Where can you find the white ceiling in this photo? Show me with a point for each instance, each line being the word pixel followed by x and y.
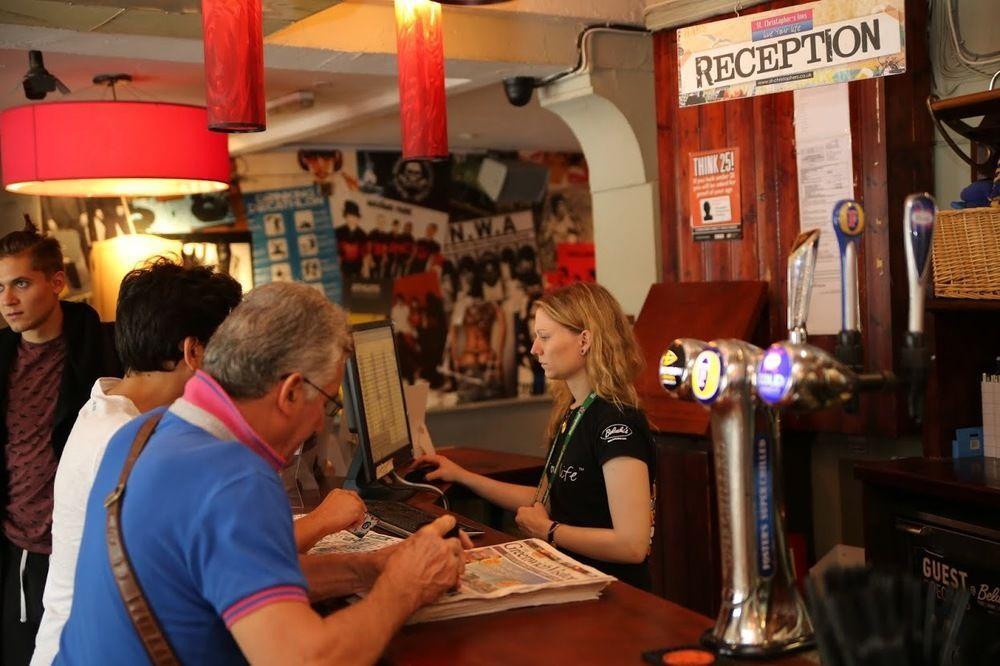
pixel 354 83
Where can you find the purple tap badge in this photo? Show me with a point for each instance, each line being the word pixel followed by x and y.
pixel 774 374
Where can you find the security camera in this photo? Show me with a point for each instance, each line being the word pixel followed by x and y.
pixel 519 89
pixel 38 82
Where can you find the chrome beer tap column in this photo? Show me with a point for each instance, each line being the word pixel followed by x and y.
pixel 762 613
pixel 801 268
pixel 848 225
pixel 919 216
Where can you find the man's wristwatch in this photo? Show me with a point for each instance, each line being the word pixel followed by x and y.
pixel 551 538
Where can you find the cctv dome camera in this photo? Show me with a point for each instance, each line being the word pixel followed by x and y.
pixel 519 89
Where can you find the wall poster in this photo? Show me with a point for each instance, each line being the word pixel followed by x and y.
pixel 293 239
pixel 714 194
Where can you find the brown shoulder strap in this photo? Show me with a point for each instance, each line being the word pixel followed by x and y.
pixel 146 625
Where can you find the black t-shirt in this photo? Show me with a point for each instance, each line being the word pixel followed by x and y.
pixel 579 496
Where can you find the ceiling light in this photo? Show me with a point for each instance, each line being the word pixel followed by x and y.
pixel 234 65
pixel 111 149
pixel 420 54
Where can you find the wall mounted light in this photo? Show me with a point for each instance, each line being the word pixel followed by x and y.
pixel 234 65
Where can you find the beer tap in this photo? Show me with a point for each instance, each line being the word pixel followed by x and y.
pixel 848 225
pixel 801 268
pixel 806 378
pixel 762 613
pixel 919 216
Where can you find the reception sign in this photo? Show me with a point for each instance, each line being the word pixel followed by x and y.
pixel 815 44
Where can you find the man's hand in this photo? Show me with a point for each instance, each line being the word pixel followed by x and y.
pixel 426 565
pixel 339 510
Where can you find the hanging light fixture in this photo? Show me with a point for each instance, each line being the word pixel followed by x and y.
pixel 420 56
pixel 111 149
pixel 234 65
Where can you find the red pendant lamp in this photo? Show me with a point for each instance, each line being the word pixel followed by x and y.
pixel 111 149
pixel 234 65
pixel 420 54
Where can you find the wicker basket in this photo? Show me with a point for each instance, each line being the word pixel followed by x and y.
pixel 966 253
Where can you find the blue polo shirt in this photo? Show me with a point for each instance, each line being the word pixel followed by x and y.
pixel 208 528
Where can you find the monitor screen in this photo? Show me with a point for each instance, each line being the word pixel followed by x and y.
pixel 375 395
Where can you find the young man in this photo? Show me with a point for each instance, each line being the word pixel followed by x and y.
pixel 50 356
pixel 206 521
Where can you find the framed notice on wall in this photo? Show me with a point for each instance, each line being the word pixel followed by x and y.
pixel 714 194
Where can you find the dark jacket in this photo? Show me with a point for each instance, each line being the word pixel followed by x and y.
pixel 90 354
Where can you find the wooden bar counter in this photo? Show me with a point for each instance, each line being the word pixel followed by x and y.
pixel 615 629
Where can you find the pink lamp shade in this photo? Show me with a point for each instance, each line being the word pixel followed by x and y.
pixel 234 65
pixel 420 54
pixel 110 149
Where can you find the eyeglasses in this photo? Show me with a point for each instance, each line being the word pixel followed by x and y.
pixel 333 404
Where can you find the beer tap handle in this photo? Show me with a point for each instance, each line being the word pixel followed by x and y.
pixel 919 217
pixel 676 364
pixel 848 225
pixel 801 267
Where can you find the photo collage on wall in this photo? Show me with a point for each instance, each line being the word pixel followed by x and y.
pixel 80 224
pixel 422 243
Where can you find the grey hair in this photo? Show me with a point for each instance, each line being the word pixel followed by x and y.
pixel 278 329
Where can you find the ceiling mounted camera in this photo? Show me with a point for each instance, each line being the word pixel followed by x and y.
pixel 519 89
pixel 38 82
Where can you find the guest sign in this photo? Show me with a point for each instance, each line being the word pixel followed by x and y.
pixel 714 195
pixel 815 44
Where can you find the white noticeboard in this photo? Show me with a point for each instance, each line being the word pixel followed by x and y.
pixel 826 175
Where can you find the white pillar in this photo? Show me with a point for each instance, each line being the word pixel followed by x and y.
pixel 612 112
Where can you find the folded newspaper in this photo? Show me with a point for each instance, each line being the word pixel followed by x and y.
pixel 514 575
pixel 509 575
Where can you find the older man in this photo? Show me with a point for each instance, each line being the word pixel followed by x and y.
pixel 206 523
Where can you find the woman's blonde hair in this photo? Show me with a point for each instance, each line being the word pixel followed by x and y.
pixel 614 360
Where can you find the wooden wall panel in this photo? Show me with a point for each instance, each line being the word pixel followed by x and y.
pixel 891 137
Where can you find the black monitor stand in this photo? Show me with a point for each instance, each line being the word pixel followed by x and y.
pixel 372 491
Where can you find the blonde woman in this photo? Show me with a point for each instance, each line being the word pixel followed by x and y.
pixel 594 500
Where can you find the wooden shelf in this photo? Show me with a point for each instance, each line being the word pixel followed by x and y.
pixel 962 304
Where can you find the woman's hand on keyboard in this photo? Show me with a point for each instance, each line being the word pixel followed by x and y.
pixel 443 469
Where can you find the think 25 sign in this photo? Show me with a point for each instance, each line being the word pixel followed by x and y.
pixel 815 44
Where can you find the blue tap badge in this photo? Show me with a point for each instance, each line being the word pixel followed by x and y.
pixel 774 374
pixel 848 221
pixel 706 376
pixel 763 499
pixel 921 212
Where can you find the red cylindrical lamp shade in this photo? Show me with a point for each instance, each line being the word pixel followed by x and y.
pixel 420 54
pixel 78 149
pixel 234 65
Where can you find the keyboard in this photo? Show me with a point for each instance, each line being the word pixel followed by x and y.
pixel 403 520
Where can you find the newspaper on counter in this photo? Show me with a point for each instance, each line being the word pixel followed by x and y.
pixel 514 575
pixel 345 542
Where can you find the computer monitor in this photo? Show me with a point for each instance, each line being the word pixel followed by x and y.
pixel 375 408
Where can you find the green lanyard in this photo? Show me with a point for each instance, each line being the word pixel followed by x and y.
pixel 543 496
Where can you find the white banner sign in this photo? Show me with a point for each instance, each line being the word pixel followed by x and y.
pixel 818 43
